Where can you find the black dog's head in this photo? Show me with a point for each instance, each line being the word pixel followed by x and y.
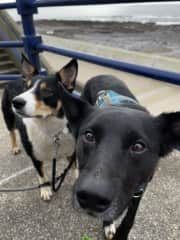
pixel 41 96
pixel 117 149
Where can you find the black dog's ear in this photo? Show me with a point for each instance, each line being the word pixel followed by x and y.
pixel 67 75
pixel 28 70
pixel 76 109
pixel 169 126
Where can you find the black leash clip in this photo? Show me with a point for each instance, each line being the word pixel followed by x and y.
pixel 57 139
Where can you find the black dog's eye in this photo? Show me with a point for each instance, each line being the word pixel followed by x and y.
pixel 138 147
pixel 89 136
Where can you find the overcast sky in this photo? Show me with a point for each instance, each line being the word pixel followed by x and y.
pixel 155 9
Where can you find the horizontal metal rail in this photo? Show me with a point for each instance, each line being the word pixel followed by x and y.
pixel 7 5
pixel 11 44
pixel 7 77
pixel 162 75
pixel 46 3
pixel 33 43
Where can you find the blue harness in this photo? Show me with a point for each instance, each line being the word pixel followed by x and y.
pixel 109 97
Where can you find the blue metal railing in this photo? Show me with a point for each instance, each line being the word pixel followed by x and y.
pixel 33 44
pixel 12 44
pixel 45 3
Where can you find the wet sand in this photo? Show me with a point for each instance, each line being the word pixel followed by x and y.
pixel 147 37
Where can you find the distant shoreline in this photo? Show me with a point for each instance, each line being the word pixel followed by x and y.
pixel 144 37
pixel 123 20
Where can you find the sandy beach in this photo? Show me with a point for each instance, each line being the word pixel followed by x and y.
pixel 144 37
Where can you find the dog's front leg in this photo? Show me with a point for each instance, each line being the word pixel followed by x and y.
pixel 14 145
pixel 46 191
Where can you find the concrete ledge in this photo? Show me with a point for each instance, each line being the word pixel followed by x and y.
pixel 152 60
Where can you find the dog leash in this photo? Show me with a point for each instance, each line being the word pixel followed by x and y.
pixel 56 181
pixel 55 184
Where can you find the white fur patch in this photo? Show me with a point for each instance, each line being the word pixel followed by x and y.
pixel 76 173
pixel 46 193
pixel 110 230
pixel 41 133
pixel 30 106
pixel 118 221
pixel 65 130
pixel 28 96
pixel 77 169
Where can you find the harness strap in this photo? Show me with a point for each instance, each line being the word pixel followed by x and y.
pixel 110 97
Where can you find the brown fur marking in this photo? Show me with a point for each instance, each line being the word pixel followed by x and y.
pixel 42 107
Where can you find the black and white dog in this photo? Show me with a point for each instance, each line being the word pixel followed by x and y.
pixel 118 146
pixel 33 106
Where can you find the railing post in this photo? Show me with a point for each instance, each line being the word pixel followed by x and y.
pixel 30 39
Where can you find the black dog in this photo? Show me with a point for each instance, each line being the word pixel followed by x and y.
pixel 118 146
pixel 32 105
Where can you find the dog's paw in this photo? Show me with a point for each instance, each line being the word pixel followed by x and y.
pixel 110 231
pixel 16 150
pixel 46 193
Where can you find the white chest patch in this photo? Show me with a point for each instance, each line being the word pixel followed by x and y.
pixel 110 230
pixel 41 133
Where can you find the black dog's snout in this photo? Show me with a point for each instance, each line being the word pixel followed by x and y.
pixel 93 201
pixel 18 103
pixel 94 194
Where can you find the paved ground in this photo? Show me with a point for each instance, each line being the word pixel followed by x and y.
pixel 24 216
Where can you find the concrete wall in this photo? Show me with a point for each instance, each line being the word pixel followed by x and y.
pixel 9 30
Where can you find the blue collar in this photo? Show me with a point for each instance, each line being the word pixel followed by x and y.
pixel 109 97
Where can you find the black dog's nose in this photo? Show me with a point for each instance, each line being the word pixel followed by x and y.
pixel 93 201
pixel 94 194
pixel 18 103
